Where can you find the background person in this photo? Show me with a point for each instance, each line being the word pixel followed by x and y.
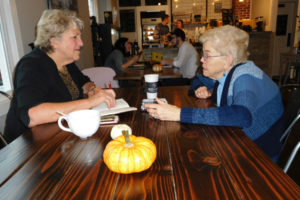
pixel 187 59
pixel 117 59
pixel 162 30
pixel 246 97
pixel 47 79
pixel 179 24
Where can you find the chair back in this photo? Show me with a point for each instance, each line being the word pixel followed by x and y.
pixel 289 159
pixel 291 101
pixel 102 76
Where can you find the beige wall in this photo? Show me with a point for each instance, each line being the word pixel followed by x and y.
pixel 260 8
pixel 28 13
pixel 297 32
pixel 86 56
pixel 28 18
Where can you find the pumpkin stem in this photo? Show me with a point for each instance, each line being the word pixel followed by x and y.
pixel 127 139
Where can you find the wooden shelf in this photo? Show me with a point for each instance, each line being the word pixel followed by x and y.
pixel 192 23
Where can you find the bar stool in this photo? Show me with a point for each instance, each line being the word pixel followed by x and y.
pixel 292 157
pixel 292 73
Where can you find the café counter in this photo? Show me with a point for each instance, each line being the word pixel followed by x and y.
pixel 167 52
pixel 260 49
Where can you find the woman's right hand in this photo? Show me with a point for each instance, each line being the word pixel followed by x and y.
pixel 100 95
pixel 202 93
pixel 135 59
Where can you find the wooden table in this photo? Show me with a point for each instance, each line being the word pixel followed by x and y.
pixel 193 161
pixel 138 74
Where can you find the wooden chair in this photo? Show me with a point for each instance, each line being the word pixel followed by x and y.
pixel 291 101
pixel 102 76
pixel 289 159
pixel 291 137
pixel 292 157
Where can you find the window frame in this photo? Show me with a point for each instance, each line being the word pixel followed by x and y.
pixel 94 7
pixel 13 47
pixel 4 67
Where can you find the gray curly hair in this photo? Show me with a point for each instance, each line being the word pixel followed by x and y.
pixel 52 24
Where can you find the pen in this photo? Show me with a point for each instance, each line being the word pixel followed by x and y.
pixel 109 85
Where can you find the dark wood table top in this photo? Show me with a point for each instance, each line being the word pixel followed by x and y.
pixel 193 161
pixel 132 73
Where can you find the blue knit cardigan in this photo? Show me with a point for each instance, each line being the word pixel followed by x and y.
pixel 250 100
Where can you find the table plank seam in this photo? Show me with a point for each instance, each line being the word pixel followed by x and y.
pixel 115 188
pixel 172 170
pixel 225 168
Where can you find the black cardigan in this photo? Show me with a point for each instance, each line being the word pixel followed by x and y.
pixel 37 81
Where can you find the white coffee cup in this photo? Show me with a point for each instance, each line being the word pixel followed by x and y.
pixel 151 81
pixel 83 123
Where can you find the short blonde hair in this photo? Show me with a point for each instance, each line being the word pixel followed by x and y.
pixel 53 23
pixel 228 40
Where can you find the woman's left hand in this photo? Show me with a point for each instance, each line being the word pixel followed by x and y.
pixel 163 111
pixel 99 95
pixel 93 90
pixel 88 87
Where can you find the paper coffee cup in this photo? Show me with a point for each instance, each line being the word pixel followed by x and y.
pixel 151 95
pixel 151 82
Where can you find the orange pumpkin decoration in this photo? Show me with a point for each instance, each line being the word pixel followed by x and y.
pixel 157 67
pixel 129 154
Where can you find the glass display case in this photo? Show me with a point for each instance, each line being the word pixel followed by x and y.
pixel 148 22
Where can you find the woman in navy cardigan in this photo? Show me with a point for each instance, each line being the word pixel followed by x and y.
pixel 47 79
pixel 245 96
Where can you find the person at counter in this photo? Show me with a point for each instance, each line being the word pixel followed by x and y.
pixel 117 59
pixel 47 80
pixel 162 29
pixel 187 59
pixel 179 24
pixel 245 96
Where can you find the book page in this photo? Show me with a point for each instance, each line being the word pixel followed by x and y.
pixel 121 106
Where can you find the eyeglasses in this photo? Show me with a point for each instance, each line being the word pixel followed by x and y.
pixel 206 57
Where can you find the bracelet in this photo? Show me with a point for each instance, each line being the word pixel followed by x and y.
pixel 91 88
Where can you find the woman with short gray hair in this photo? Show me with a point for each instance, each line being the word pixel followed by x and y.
pixel 245 96
pixel 47 79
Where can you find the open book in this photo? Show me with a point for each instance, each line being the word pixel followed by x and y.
pixel 121 106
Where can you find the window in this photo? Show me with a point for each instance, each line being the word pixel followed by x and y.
pixel 4 68
pixel 93 7
pixel 91 10
pixel 127 20
pixel 128 3
pixel 156 2
pixel 11 47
